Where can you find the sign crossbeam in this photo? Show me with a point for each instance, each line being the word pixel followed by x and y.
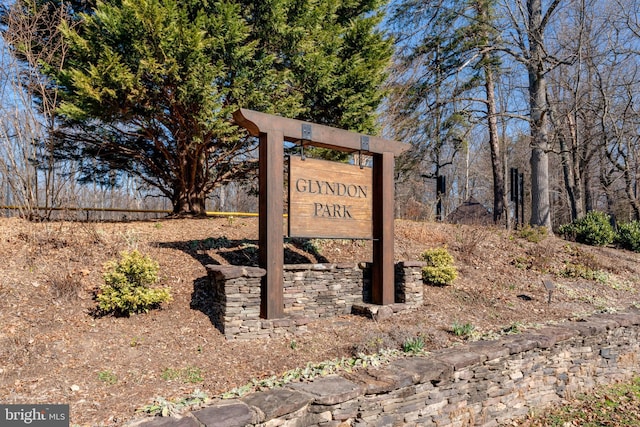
pixel 322 136
pixel 272 132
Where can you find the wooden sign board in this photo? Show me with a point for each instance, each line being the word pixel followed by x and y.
pixel 329 199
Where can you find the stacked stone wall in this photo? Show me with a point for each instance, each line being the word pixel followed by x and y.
pixel 486 383
pixel 311 291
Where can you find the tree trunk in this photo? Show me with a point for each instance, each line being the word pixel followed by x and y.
pixel 497 166
pixel 589 202
pixel 571 169
pixel 630 192
pixel 189 204
pixel 540 201
pixel 189 196
pixel 630 180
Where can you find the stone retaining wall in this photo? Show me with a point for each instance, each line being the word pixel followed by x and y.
pixel 485 383
pixel 311 291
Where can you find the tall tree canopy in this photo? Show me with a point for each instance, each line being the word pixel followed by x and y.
pixel 447 60
pixel 148 86
pixel 457 54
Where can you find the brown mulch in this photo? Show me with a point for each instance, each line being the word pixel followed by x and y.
pixel 53 349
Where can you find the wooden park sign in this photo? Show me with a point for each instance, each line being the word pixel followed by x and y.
pixel 329 200
pixel 328 194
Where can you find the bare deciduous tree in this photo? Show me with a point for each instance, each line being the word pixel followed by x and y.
pixel 28 159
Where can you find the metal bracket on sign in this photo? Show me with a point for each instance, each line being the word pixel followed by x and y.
pixel 306 131
pixel 364 146
pixel 306 136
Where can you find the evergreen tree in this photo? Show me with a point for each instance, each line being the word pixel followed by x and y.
pixel 149 85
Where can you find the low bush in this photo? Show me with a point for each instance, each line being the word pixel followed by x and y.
pixel 628 236
pixel 592 229
pixel 439 270
pixel 126 289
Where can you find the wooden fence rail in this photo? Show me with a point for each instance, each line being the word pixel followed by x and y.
pixel 151 211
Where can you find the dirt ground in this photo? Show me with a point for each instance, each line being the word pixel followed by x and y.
pixel 54 350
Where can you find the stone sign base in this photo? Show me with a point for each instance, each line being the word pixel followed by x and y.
pixel 311 291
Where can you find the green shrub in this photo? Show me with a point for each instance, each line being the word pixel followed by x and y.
pixel 628 235
pixel 439 270
pixel 126 289
pixel 592 229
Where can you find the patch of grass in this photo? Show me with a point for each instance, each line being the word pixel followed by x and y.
pixel 413 345
pixel 170 374
pixel 107 377
pixel 462 329
pixel 190 374
pixel 618 284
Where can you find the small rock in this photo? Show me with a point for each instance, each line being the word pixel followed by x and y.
pixel 383 313
pixel 75 388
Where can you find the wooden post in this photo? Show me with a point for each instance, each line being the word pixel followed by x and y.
pixel 383 287
pixel 271 223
